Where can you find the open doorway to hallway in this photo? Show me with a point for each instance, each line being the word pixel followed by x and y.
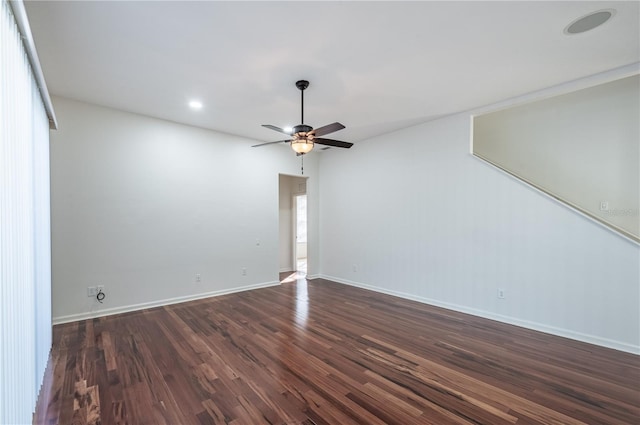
pixel 300 223
pixel 293 240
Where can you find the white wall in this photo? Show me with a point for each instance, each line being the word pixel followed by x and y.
pixel 142 205
pixel 443 227
pixel 285 250
pixel 582 147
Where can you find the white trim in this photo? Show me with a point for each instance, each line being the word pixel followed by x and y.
pixel 20 15
pixel 591 339
pixel 158 303
pixel 313 276
pixel 560 89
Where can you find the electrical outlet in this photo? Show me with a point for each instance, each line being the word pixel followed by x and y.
pixel 198 279
pixel 501 293
pixel 354 268
pixel 604 206
pixel 92 291
pixel 100 294
pixel 244 271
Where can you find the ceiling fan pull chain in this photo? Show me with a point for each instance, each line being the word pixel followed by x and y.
pixel 302 164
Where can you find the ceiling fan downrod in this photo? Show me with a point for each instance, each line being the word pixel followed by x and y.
pixel 302 85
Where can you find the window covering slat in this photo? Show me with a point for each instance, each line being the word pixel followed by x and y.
pixel 25 253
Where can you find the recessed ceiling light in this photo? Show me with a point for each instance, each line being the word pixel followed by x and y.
pixel 589 22
pixel 194 104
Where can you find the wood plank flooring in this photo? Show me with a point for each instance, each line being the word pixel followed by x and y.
pixel 322 353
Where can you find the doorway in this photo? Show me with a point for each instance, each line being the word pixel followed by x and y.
pixel 300 233
pixel 293 240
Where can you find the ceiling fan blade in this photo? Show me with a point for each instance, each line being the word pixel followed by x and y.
pixel 330 142
pixel 273 127
pixel 271 143
pixel 327 129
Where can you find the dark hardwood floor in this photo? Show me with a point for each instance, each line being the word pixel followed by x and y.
pixel 325 353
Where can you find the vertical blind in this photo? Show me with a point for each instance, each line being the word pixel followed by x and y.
pixel 25 243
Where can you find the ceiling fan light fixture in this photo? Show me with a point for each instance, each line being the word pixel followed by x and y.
pixel 302 146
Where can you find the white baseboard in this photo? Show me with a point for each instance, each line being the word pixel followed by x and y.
pixel 591 339
pixel 159 303
pixel 566 333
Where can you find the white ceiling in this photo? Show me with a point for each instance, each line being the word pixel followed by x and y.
pixel 373 66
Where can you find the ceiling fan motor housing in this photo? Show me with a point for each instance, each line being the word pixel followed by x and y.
pixel 302 128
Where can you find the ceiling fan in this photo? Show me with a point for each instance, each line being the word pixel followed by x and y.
pixel 304 136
